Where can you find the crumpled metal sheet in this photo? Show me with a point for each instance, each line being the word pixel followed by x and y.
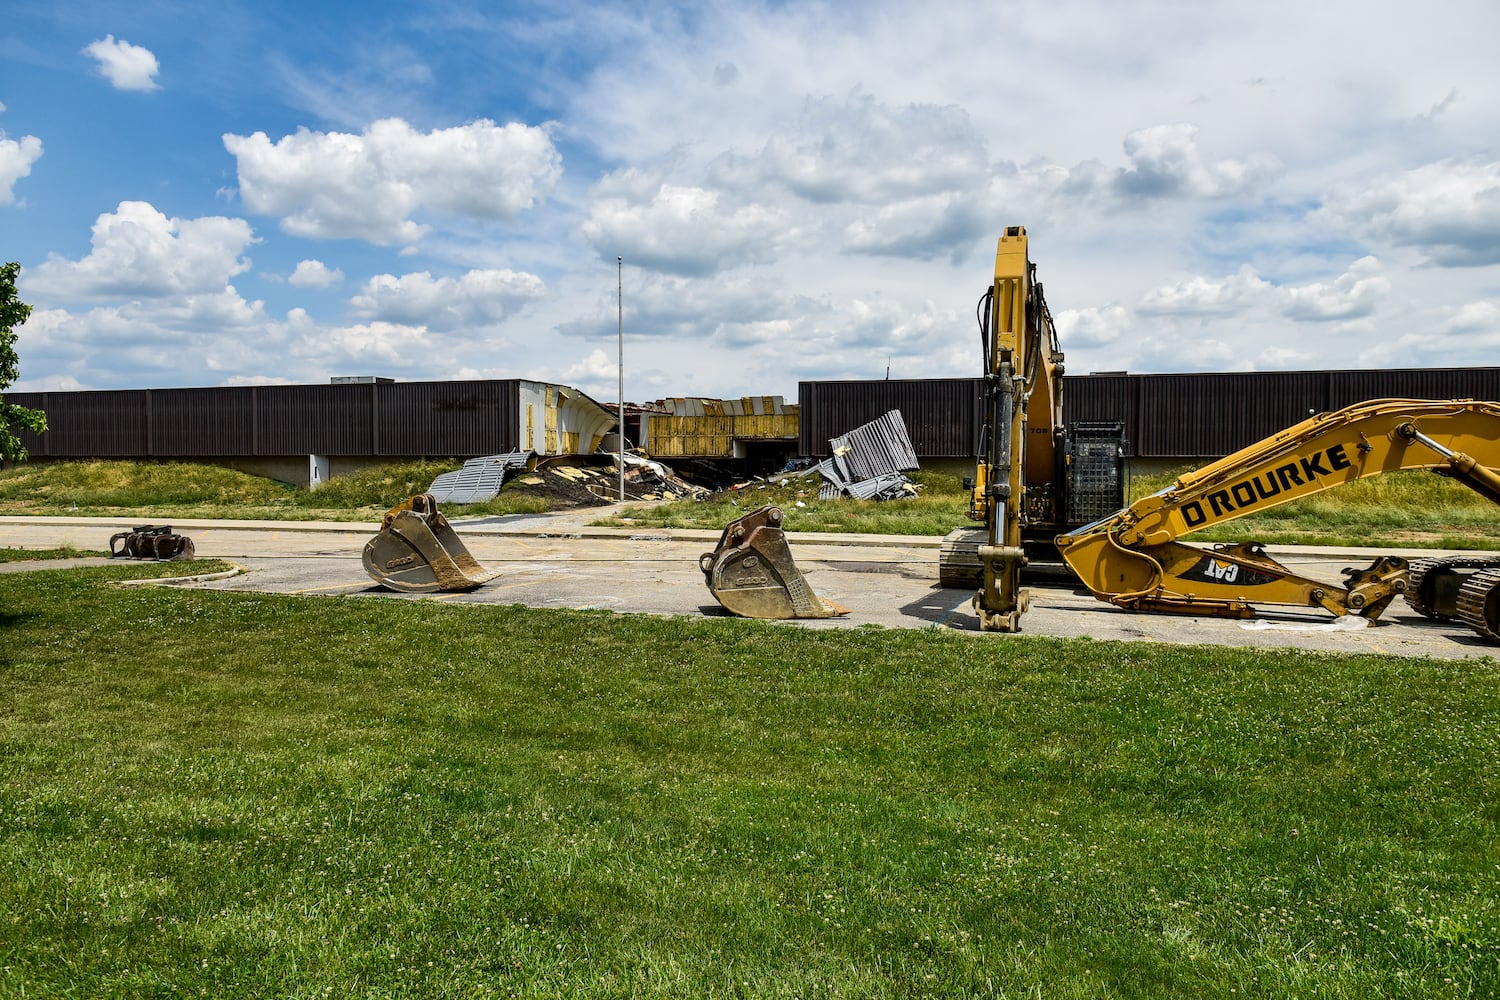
pixel 874 449
pixel 867 462
pixel 480 479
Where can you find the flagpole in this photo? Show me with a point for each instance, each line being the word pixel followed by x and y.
pixel 620 334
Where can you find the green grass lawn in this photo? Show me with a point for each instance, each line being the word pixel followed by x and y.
pixel 231 795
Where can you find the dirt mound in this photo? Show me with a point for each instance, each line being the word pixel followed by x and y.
pixel 566 487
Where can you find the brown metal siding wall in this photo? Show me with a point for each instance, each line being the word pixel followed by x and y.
pixel 457 419
pixel 1196 416
pixel 208 422
pixel 89 424
pixel 1193 416
pixel 315 419
pixel 33 443
pixel 941 415
pixel 448 419
pixel 1345 387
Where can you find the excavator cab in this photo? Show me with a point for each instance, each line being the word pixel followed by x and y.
pixel 418 551
pixel 751 572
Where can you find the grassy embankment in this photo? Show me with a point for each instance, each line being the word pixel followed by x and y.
pixel 416 799
pixel 1404 509
pixel 190 490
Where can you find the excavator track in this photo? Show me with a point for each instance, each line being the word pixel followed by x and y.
pixel 1434 584
pixel 958 559
pixel 1479 603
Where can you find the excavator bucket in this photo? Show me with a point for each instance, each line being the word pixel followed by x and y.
pixel 751 572
pixel 418 551
pixel 151 541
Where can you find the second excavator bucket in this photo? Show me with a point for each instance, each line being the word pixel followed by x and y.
pixel 418 551
pixel 751 572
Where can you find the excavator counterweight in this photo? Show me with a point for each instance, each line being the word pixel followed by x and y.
pixel 418 551
pixel 752 574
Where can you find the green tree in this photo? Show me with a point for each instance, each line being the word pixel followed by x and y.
pixel 13 313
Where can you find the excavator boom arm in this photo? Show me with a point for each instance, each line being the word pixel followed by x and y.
pixel 1134 557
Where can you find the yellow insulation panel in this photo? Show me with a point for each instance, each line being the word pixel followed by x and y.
pixel 714 436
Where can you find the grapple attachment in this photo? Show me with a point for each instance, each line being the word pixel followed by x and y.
pixel 151 541
pixel 752 574
pixel 418 551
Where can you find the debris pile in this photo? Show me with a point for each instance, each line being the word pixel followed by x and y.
pixel 594 480
pixel 650 480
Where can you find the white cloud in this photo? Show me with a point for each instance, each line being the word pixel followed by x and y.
pixel 314 274
pixel 16 158
pixel 392 346
pixel 863 150
pixel 139 252
pixel 1091 327
pixel 476 299
pixel 1165 162
pixel 125 66
pixel 593 370
pixel 799 191
pixel 687 231
pixel 1450 210
pixel 369 186
pixel 1200 296
pixel 1353 294
pixel 920 228
pixel 1476 317
pixel 1466 332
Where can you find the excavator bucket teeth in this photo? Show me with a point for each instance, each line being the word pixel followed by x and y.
pixel 418 551
pixel 149 541
pixel 751 572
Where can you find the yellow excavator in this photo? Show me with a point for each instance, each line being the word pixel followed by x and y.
pixel 1034 477
pixel 1134 558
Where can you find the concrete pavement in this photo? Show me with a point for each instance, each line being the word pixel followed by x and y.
pixel 560 560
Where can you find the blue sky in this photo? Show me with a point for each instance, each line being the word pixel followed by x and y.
pixel 239 193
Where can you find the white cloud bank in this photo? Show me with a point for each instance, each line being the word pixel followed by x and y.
pixel 1449 209
pixel 138 252
pixel 337 185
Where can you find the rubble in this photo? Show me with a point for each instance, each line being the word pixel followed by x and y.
pixel 594 480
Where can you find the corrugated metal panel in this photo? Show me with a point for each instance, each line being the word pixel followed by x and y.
pixel 1346 387
pixel 206 422
pixel 315 419
pixel 448 418
pixel 941 415
pixel 877 448
pixel 111 424
pixel 1166 416
pixel 1206 415
pixel 480 479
